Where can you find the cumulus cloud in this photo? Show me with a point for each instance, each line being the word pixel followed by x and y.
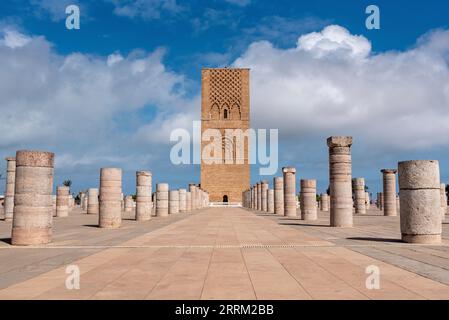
pixel 88 109
pixel 331 83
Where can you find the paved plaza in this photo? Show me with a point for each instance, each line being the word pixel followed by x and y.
pixel 225 253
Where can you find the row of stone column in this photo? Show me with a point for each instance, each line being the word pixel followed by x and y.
pixel 175 201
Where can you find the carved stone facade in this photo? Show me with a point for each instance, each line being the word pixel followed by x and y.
pixel 225 105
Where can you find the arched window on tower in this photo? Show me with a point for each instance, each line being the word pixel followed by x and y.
pixel 225 114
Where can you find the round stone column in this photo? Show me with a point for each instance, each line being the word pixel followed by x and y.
pixel 110 211
pixel 62 201
pixel 129 203
pixel 259 196
pixel 92 201
pixel 9 189
pixel 53 197
pixel 85 203
pixel 173 205
pixel 182 200
pixel 308 200
pixel 389 194
pixel 143 195
pixel 324 202
pixel 32 216
pixel 358 185
pixel 270 201
pixel 367 201
pixel 289 191
pixel 420 208
pixel 189 201
pixel 192 189
pixel 443 200
pixel 162 199
pixel 263 196
pixel 340 181
pixel 278 185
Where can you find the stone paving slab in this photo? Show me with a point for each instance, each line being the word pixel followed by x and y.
pixel 225 253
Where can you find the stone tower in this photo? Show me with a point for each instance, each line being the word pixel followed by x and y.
pixel 225 105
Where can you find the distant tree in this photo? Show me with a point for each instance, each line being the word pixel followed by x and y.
pixel 328 191
pixel 67 183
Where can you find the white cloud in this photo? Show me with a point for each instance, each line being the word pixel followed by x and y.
pixel 14 39
pixel 55 8
pixel 331 84
pixel 146 9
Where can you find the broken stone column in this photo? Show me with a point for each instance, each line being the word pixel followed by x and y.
pixel 324 202
pixel 173 205
pixel 82 197
pixel 32 216
pixel 308 199
pixel 92 201
pixel 143 195
pixel 358 185
pixel 129 203
pixel 182 200
pixel 263 196
pixel 420 209
pixel 389 194
pixel 270 201
pixel 259 196
pixel 278 186
pixel 189 201
pixel 53 197
pixel 162 199
pixel 340 181
pixel 398 204
pixel 443 200
pixel 192 189
pixel 85 202
pixel 9 189
pixel 62 201
pixel 111 196
pixel 381 205
pixel 367 201
pixel 289 191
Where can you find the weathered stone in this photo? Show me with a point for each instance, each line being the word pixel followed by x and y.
pixel 289 191
pixel 270 201
pixel 110 211
pixel 173 205
pixel 32 216
pixel 62 201
pixel 420 201
pixel 193 191
pixel 263 196
pixel 367 201
pixel 340 181
pixel 189 201
pixel 358 186
pixel 443 200
pixel 389 192
pixel 162 199
pixel 182 200
pixel 308 200
pixel 324 202
pixel 143 195
pixel 129 203
pixel 9 190
pixel 259 196
pixel 92 201
pixel 278 185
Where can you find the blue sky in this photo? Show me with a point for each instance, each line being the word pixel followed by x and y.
pixel 109 93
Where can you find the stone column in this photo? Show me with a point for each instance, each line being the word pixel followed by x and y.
pixel 153 213
pixel 278 186
pixel 420 209
pixel 270 201
pixel 192 189
pixel 32 216
pixel 173 205
pixel 189 201
pixel 162 199
pixel 129 203
pixel 259 196
pixel 10 185
pixel 398 204
pixel 358 185
pixel 389 194
pixel 308 200
pixel 53 197
pixel 367 201
pixel 92 201
pixel 182 200
pixel 381 205
pixel 263 196
pixel 110 211
pixel 340 181
pixel 143 195
pixel 443 201
pixel 62 201
pixel 82 197
pixel 324 202
pixel 85 203
pixel 289 191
